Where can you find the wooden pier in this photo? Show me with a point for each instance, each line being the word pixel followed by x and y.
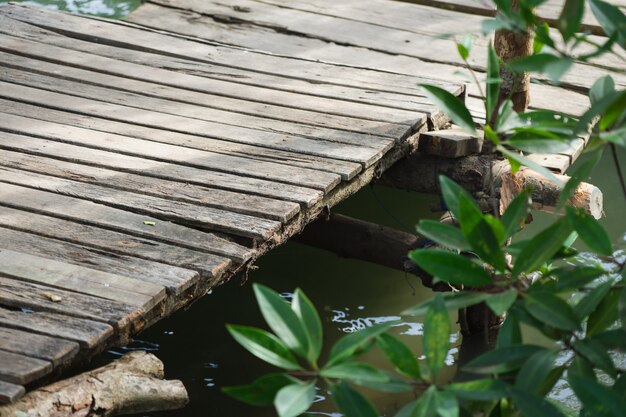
pixel 144 162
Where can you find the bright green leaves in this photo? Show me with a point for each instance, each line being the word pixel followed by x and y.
pixel 282 320
pixel 264 346
pixel 542 247
pixel 350 402
pixel 493 84
pixel 570 18
pixel 356 372
pixel 399 355
pixel 552 310
pixel 306 312
pixel 293 400
pixel 436 340
pixel 551 65
pixel 590 231
pixel 516 213
pixel 452 192
pixel 351 343
pixel 261 392
pixel 452 268
pixel 451 105
pixel 443 234
pixel 465 46
pixel 611 19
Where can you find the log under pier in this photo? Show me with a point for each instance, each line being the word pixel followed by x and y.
pixel 143 162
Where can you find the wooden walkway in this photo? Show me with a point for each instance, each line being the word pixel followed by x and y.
pixel 143 163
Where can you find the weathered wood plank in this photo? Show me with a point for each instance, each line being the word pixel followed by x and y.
pixel 79 279
pixel 554 162
pixel 10 392
pixel 346 169
pixel 89 334
pixel 165 210
pixel 58 351
pixel 145 116
pixel 177 191
pixel 449 143
pixel 20 369
pixel 56 205
pixel 170 153
pixel 350 102
pixel 209 266
pixel 175 279
pixel 29 296
pixel 306 196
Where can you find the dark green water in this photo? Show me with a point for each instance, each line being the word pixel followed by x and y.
pixel 350 295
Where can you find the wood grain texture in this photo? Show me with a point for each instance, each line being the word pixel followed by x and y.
pixel 10 392
pixel 20 369
pixel 119 220
pixel 210 267
pixel 54 273
pixel 55 350
pixel 175 279
pixel 89 334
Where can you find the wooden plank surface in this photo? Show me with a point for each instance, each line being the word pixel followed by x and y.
pixel 89 334
pixel 344 168
pixel 174 278
pixel 55 350
pixel 10 392
pixel 81 280
pixel 162 170
pixel 20 369
pixel 119 220
pixel 209 266
pixel 177 191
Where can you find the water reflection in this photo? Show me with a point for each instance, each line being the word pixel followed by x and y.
pixel 116 9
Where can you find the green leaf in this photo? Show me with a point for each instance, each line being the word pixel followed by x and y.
pixel 581 367
pixel 350 343
pixel 551 65
pixel 436 339
pixel 621 307
pixel 596 398
pixel 149 223
pixel 294 399
pixel 350 402
pixel 542 247
pixel 578 173
pixel 426 404
pixel 443 234
pixel 281 319
pixel 452 268
pixel 451 105
pixel 597 355
pixel 611 19
pixel 617 136
pixel 447 404
pixel 534 406
pixel 451 192
pixel 262 391
pixel 479 234
pixel 590 231
pixel 570 18
pixel 264 346
pixel 399 355
pixel 614 339
pixel 452 300
pixel 516 213
pixel 514 157
pixel 394 386
pixel 500 303
pixel 605 315
pixel 591 301
pixel 406 410
pixel 356 372
pixel 465 46
pixel 552 310
pixel 502 360
pixel 535 370
pixel 493 86
pixel 534 140
pixel 479 389
pixel 601 88
pixel 550 381
pixel 306 312
pixel 510 332
pixel 569 278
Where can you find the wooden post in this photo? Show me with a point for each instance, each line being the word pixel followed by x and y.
pixel 510 45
